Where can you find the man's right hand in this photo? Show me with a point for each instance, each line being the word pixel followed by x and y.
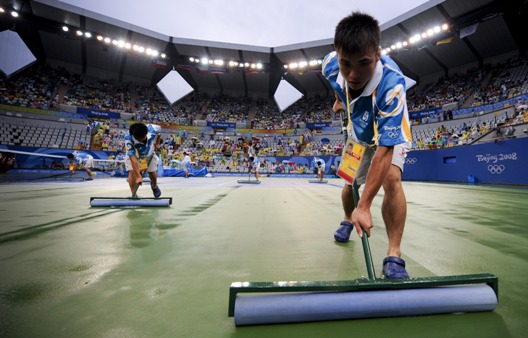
pixel 139 179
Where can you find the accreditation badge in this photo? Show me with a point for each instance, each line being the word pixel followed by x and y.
pixel 143 165
pixel 355 161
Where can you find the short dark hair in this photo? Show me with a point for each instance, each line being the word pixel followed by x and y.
pixel 251 158
pixel 70 156
pixel 318 162
pixel 138 130
pixel 356 34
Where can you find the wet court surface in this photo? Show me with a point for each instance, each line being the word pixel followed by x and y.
pixel 69 270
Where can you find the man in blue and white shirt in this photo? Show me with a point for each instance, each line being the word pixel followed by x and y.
pixel 81 159
pixel 372 90
pixel 186 163
pixel 254 165
pixel 141 143
pixel 320 165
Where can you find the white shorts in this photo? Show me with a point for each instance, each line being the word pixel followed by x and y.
pixel 398 156
pixel 153 165
pixel 88 162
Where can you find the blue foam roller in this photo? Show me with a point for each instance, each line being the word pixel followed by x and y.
pixel 252 309
pixel 128 202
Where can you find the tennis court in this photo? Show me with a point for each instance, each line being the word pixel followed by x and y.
pixel 72 270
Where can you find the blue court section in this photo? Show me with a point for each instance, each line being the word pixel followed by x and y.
pixel 71 270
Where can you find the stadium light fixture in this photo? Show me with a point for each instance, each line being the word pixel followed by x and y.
pixel 14 14
pixel 65 28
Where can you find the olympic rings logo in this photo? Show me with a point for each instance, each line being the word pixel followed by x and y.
pixel 496 168
pixel 393 134
pixel 411 160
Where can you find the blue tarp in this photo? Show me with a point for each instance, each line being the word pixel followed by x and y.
pixel 193 171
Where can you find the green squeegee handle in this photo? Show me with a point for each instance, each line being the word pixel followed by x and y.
pixel 364 238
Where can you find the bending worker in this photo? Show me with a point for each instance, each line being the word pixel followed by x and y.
pixel 320 165
pixel 254 165
pixel 81 159
pixel 141 142
pixel 371 88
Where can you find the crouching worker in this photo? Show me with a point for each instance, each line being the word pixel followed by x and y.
pixel 141 142
pixel 320 165
pixel 83 160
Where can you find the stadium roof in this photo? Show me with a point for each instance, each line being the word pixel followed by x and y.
pixel 477 31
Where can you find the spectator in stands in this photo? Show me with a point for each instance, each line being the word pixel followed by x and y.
pixel 142 142
pixel 7 162
pixel 374 84
pixel 83 160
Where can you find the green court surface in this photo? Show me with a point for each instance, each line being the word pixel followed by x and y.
pixel 69 270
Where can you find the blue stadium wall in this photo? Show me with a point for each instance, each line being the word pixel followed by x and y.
pixel 504 162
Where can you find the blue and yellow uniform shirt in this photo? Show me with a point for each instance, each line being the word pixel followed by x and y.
pixel 379 115
pixel 139 149
pixel 322 164
pixel 81 158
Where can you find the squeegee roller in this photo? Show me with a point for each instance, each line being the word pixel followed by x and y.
pixel 307 307
pixel 491 281
pixel 130 202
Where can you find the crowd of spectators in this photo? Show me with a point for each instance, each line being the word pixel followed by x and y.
pixel 39 87
pixel 97 94
pixel 455 88
pixel 151 106
pixel 33 88
pixel 476 87
pixel 224 108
